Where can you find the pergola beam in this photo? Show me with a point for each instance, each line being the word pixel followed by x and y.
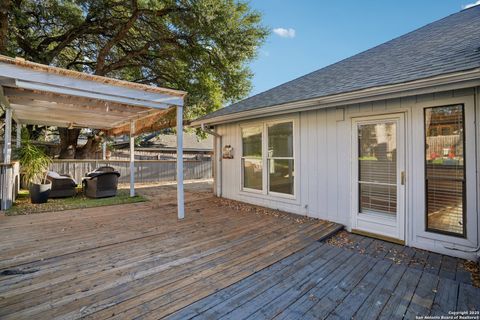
pixel 84 102
pixel 90 94
pixel 61 124
pixel 70 107
pixel 72 120
pixel 72 115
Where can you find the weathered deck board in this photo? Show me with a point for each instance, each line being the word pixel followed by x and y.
pixel 221 262
pixel 356 297
pixel 268 275
pixel 376 301
pixel 251 305
pixel 125 261
pixel 446 297
pixel 423 297
pixel 349 285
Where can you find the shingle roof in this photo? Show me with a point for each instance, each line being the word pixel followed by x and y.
pixel 448 45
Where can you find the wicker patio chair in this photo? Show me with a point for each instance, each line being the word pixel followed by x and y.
pixel 101 183
pixel 63 185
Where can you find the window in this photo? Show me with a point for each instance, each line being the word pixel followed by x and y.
pixel 275 153
pixel 252 158
pixel 445 170
pixel 280 157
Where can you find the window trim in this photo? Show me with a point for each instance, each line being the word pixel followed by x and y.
pixel 463 235
pixel 265 192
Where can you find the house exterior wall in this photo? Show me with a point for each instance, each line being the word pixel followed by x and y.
pixel 323 158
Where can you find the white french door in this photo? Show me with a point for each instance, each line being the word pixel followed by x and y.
pixel 378 171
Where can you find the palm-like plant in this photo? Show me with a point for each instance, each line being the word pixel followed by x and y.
pixel 34 163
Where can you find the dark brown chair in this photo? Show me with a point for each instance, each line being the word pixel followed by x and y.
pixel 63 185
pixel 101 183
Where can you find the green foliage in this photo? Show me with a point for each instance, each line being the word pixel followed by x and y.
pixel 34 163
pixel 200 46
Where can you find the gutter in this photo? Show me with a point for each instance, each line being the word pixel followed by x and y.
pixel 218 159
pixel 444 82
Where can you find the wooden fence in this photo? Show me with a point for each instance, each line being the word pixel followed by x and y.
pixel 437 144
pixel 146 171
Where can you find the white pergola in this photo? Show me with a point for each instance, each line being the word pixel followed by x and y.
pixel 32 93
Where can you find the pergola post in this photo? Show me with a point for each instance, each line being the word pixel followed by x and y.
pixel 19 135
pixel 180 193
pixel 104 150
pixel 132 159
pixel 7 139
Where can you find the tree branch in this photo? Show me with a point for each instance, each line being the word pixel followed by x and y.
pixel 126 59
pixel 121 34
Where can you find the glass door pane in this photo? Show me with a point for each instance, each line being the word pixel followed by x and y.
pixel 377 168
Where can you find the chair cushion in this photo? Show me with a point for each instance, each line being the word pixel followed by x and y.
pixel 56 175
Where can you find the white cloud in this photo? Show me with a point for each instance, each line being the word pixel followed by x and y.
pixel 286 32
pixel 476 3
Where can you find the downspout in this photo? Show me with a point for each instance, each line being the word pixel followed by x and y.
pixel 218 159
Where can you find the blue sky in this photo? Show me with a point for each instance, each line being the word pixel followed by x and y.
pixel 315 33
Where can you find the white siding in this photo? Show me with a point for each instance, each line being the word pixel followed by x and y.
pixel 324 158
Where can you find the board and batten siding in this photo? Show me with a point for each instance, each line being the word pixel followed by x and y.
pixel 323 170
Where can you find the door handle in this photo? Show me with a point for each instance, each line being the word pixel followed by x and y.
pixel 402 178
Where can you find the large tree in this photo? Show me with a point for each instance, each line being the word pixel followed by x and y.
pixel 200 46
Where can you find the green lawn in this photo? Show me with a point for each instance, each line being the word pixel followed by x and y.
pixel 23 206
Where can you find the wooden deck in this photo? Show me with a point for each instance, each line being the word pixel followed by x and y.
pixel 138 260
pixel 327 281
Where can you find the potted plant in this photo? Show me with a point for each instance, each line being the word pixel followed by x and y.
pixel 34 165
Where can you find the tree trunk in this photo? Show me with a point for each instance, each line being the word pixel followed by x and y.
pixel 69 148
pixel 34 131
pixel 5 6
pixel 68 142
pixel 89 150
